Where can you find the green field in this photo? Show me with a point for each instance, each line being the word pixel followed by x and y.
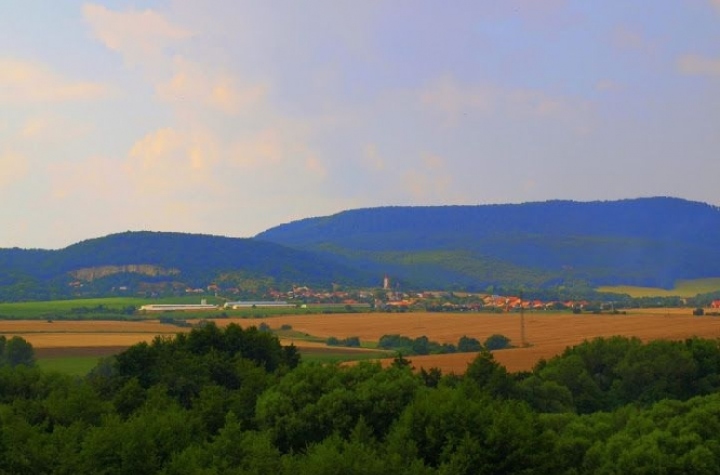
pixel 72 365
pixel 111 307
pixel 125 308
pixel 81 365
pixel 683 288
pixel 48 308
pixel 310 356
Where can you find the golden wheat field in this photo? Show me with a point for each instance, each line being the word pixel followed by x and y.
pixel 546 334
pixel 74 338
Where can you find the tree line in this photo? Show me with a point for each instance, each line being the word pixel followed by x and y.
pixel 235 401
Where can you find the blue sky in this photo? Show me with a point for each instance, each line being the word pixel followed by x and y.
pixel 229 117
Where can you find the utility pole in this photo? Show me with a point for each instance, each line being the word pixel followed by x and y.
pixel 522 321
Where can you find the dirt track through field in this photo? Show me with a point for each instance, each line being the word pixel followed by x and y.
pixel 547 334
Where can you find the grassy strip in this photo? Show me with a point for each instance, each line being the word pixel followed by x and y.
pixel 82 365
pixel 46 309
pixel 297 335
pixel 72 365
pixel 310 356
pixel 683 288
pixel 125 308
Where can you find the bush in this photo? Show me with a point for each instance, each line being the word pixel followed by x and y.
pixel 16 351
pixel 467 344
pixel 699 312
pixel 497 342
pixel 352 342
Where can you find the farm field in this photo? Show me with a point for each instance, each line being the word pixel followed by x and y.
pixel 124 309
pixel 74 347
pixel 547 334
pixel 72 365
pixel 683 288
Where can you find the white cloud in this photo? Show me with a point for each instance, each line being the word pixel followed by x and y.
pixel 372 159
pixel 14 167
pixel 141 37
pixel 194 84
pixel 697 65
pixel 265 148
pixel 627 38
pixel 453 100
pixel 52 128
pixel 96 177
pixel 25 81
pixel 315 167
pixel 168 160
pixel 430 180
pixel 608 85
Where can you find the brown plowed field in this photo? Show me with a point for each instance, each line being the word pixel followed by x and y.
pixel 547 333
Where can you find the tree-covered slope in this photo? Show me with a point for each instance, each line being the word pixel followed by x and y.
pixel 551 245
pixel 130 258
pixel 650 241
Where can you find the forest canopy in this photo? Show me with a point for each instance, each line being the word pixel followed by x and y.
pixel 234 400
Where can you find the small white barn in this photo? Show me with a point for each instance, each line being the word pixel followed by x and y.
pixel 258 304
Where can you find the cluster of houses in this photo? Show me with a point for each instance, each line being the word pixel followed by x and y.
pixel 383 298
pixel 487 302
pixel 390 300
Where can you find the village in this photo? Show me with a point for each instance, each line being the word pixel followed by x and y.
pixel 390 298
pixel 384 298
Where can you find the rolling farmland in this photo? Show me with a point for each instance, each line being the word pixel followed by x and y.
pixel 683 288
pixel 547 334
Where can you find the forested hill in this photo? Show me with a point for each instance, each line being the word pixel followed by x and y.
pixel 556 245
pixel 154 260
pixel 649 241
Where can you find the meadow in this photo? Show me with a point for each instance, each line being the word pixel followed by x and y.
pixel 72 365
pixel 683 288
pixel 54 308
pixel 124 308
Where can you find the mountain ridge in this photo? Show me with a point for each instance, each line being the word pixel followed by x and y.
pixel 197 260
pixel 557 244
pixel 649 241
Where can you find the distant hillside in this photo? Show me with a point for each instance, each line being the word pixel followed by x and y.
pixel 646 241
pixel 149 260
pixel 558 246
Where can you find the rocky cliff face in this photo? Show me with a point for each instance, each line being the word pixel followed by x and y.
pixel 91 273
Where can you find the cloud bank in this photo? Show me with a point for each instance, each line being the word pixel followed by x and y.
pixel 229 117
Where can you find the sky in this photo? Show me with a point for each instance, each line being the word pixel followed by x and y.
pixel 229 117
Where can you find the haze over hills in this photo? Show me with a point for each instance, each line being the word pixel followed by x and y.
pixel 548 245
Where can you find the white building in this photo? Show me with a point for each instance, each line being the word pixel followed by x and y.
pixel 258 304
pixel 173 307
